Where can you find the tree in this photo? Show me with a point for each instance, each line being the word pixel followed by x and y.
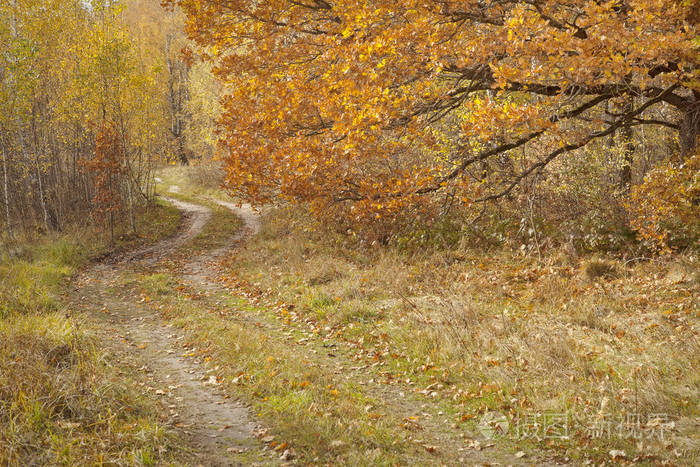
pixel 383 108
pixel 70 70
pixel 162 34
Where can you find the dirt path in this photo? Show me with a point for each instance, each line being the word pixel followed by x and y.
pixel 197 217
pixel 214 426
pixel 199 270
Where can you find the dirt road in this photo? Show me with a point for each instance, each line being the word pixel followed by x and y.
pixel 214 426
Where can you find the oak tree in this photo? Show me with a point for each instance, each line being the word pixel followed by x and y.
pixel 379 108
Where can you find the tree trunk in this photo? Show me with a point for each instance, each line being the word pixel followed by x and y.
pixel 177 122
pixel 7 195
pixel 42 197
pixel 690 126
pixel 132 214
pixel 111 213
pixel 628 147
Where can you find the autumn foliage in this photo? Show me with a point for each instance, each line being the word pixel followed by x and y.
pixel 667 205
pixel 93 95
pixel 107 168
pixel 392 109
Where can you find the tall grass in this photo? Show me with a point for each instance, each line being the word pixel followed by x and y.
pixel 31 277
pixel 60 402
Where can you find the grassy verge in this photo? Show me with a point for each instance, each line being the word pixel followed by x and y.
pixel 32 273
pixel 60 401
pixel 611 346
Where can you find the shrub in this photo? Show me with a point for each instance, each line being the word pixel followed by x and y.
pixel 666 207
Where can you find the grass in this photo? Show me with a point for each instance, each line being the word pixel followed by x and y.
pixel 32 273
pixel 359 354
pixel 224 223
pixel 198 181
pixel 61 402
pixel 500 331
pixel 293 388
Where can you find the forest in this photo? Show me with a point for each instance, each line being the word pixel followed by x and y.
pixel 341 232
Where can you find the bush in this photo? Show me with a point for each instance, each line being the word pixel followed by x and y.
pixel 666 207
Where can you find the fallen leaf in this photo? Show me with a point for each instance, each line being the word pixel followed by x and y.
pixel 617 454
pixel 288 455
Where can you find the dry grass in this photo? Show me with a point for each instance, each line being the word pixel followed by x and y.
pixel 310 403
pixel 503 331
pixel 600 269
pixel 202 180
pixel 59 404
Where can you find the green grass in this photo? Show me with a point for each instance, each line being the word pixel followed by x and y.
pixel 32 274
pixel 217 232
pixel 61 402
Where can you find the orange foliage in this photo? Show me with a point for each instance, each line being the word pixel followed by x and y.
pixel 106 167
pixel 667 205
pixel 377 107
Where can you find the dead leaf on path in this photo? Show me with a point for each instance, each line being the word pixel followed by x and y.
pixel 617 454
pixel 213 380
pixel 288 455
pixel 281 446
